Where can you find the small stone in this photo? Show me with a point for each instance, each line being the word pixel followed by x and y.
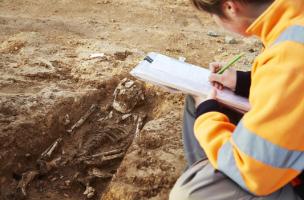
pixel 230 40
pixel 251 50
pixel 122 55
pixel 221 49
pixel 253 42
pixel 212 34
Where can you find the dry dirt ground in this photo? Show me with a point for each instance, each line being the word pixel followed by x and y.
pixel 49 82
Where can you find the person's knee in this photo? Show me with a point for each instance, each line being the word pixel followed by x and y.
pixel 178 193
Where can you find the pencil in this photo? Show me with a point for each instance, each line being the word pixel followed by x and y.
pixel 230 63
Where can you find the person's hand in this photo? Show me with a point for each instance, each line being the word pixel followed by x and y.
pixel 198 99
pixel 227 79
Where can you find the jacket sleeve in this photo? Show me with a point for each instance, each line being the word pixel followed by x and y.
pixel 264 151
pixel 243 82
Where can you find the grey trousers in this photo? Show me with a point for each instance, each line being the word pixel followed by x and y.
pixel 201 181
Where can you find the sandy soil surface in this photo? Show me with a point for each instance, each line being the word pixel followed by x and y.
pixel 49 82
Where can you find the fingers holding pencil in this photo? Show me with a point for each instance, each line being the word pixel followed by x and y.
pixel 219 81
pixel 214 68
pixel 227 79
pixel 222 75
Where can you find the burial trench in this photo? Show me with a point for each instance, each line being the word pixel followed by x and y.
pixel 83 143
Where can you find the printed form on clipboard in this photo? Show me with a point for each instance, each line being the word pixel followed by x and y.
pixel 165 71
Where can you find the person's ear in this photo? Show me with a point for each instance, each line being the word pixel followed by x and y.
pixel 230 8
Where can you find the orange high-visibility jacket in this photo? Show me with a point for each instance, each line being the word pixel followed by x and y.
pixel 265 151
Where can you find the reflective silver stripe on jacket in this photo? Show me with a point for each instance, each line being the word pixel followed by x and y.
pixel 292 33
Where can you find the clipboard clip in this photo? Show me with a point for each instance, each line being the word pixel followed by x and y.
pixel 148 59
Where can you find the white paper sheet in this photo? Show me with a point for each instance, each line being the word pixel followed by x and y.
pixel 185 77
